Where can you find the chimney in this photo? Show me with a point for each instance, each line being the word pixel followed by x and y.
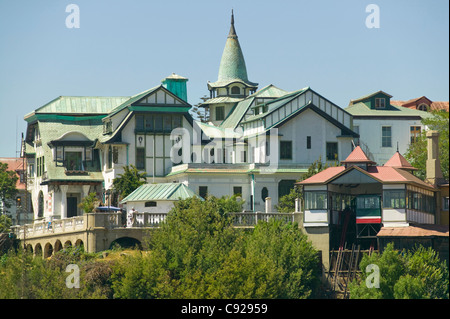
pixel 434 173
pixel 177 85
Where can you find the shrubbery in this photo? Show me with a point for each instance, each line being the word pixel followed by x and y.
pixel 195 254
pixel 415 274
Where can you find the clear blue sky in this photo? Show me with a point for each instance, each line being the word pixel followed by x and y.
pixel 125 47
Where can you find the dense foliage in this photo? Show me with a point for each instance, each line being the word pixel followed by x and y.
pixel 195 254
pixel 417 151
pixel 415 274
pixel 8 188
pixel 127 182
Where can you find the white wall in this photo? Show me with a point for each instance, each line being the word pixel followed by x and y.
pixel 162 206
pixel 370 137
pixel 309 123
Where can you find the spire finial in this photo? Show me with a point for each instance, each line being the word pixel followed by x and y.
pixel 232 33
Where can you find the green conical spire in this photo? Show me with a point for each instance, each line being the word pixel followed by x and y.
pixel 232 64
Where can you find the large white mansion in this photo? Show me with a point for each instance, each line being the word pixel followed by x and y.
pixel 256 143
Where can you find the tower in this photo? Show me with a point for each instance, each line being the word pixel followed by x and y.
pixel 232 83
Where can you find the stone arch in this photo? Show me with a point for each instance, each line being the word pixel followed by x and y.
pixel 126 242
pixel 38 250
pixel 58 246
pixel 67 244
pixel 79 244
pixel 48 250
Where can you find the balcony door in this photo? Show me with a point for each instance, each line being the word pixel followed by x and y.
pixel 72 207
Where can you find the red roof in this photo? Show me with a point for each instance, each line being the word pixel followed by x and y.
pixel 357 156
pixel 384 174
pixel 398 161
pixel 413 103
pixel 324 175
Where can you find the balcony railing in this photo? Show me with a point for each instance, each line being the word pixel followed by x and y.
pixel 139 220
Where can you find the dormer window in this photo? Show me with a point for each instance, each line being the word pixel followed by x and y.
pixel 235 90
pixel 422 107
pixel 380 103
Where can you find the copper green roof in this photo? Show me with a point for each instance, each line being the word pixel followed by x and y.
pixel 240 109
pixel 232 65
pixel 51 131
pixel 270 91
pixel 361 109
pixel 157 192
pixel 237 113
pixel 276 104
pixel 365 97
pixel 70 105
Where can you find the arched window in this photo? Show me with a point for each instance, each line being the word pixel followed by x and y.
pixel 264 193
pixel 422 107
pixel 235 90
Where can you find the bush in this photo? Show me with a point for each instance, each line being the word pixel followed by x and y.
pixel 415 274
pixel 198 254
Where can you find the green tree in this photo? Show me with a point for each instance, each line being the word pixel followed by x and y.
pixel 89 202
pixel 8 188
pixel 416 274
pixel 130 180
pixel 197 253
pixel 417 151
pixel 25 276
pixel 5 223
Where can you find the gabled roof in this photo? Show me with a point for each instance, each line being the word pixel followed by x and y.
pixel 388 173
pixel 76 105
pixel 132 99
pixel 412 103
pixel 270 91
pixel 357 156
pixel 275 104
pixel 398 161
pixel 365 97
pixel 382 174
pixel 237 113
pixel 361 109
pixel 159 192
pixel 138 97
